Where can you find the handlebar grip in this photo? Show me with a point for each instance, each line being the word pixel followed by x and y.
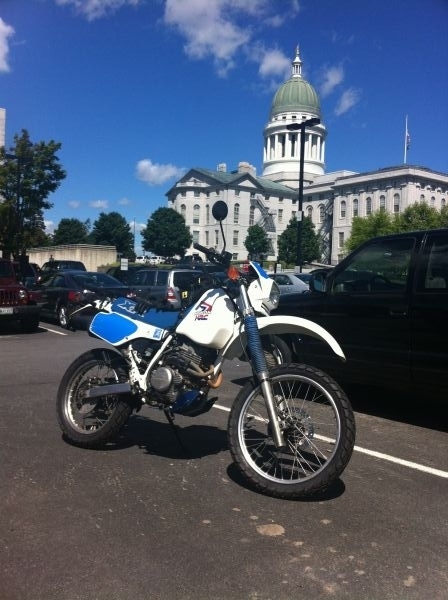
pixel 206 251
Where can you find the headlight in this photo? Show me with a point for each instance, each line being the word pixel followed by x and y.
pixel 274 296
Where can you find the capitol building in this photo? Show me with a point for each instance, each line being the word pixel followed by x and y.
pixel 270 199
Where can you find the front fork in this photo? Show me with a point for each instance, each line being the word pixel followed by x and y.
pixel 260 368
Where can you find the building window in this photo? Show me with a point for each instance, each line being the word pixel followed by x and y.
pixel 197 193
pixel 207 238
pixel 396 203
pixel 196 209
pixel 236 213
pixel 442 202
pixel 237 192
pixel 341 239
pixel 368 206
pixel 235 256
pixel 235 237
pixel 309 212
pixel 251 215
pixel 280 215
pixel 183 193
pixel 195 235
pixel 216 237
pixel 183 210
pixel 321 213
pixel 383 203
pixel 343 209
pixel 207 214
pixel 280 199
pixel 433 202
pixel 355 207
pixel 422 198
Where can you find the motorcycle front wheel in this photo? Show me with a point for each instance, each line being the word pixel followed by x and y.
pixel 92 422
pixel 318 426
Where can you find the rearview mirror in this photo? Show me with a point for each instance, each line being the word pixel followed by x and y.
pixel 220 210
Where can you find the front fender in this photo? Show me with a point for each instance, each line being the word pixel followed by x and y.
pixel 283 324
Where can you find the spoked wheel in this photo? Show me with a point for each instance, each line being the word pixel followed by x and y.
pixel 92 421
pixel 318 427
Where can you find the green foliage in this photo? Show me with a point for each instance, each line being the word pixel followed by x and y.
pixel 414 217
pixel 71 231
pixel 29 173
pixel 257 241
pixel 363 229
pixel 111 229
pixel 287 242
pixel 418 216
pixel 166 234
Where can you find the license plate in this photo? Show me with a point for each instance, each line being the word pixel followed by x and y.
pixel 6 310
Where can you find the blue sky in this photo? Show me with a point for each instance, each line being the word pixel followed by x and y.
pixel 138 91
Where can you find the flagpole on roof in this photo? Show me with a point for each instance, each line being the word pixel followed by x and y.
pixel 407 140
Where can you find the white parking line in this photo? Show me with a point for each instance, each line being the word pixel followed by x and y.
pixel 53 330
pixel 381 456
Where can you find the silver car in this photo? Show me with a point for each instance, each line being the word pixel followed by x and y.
pixel 290 283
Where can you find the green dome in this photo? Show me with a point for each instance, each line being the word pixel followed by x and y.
pixel 295 95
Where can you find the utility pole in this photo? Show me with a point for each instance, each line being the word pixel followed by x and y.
pixel 301 127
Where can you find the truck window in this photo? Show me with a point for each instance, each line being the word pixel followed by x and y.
pixel 433 272
pixel 382 266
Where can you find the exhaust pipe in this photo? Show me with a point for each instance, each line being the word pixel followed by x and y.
pixel 108 390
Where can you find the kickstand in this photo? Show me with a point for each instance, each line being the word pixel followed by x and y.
pixel 170 418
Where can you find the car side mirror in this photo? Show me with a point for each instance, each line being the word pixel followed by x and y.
pixel 318 282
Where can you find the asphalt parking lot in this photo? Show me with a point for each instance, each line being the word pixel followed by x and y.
pixel 145 519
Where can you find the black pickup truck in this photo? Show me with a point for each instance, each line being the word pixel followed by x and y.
pixel 387 305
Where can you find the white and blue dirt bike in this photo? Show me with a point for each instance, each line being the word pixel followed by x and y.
pixel 291 429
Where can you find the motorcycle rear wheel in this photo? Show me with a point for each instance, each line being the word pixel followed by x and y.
pixel 318 426
pixel 92 422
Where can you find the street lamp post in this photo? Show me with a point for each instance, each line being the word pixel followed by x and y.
pixel 301 127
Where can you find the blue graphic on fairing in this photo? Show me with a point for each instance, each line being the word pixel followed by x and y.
pixel 259 269
pixel 112 328
pixel 164 319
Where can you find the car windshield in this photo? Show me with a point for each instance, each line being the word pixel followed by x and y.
pixel 96 280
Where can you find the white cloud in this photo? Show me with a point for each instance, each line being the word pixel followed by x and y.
pixel 5 32
pixel 330 79
pixel 274 63
pixel 49 226
pixel 209 29
pixel 100 204
pixel 124 202
pixel 155 174
pixel 95 9
pixel 348 99
pixel 74 204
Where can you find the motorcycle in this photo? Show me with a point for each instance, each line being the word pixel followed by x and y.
pixel 291 429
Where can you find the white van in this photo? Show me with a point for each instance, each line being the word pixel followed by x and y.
pixel 156 260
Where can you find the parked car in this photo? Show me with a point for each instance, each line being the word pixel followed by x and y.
pixel 305 277
pixel 17 304
pixel 387 305
pixel 27 273
pixel 52 266
pixel 174 287
pixel 289 283
pixel 66 291
pixel 123 275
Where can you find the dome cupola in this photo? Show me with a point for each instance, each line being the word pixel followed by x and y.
pixel 296 94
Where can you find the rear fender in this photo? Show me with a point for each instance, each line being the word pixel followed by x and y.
pixel 279 325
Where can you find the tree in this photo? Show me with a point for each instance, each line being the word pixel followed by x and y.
pixel 166 234
pixel 71 231
pixel 111 229
pixel 29 173
pixel 418 216
pixel 287 242
pixel 257 241
pixel 363 229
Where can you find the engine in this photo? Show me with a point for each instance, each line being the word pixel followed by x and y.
pixel 182 380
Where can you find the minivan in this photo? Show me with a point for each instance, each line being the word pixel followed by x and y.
pixel 174 287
